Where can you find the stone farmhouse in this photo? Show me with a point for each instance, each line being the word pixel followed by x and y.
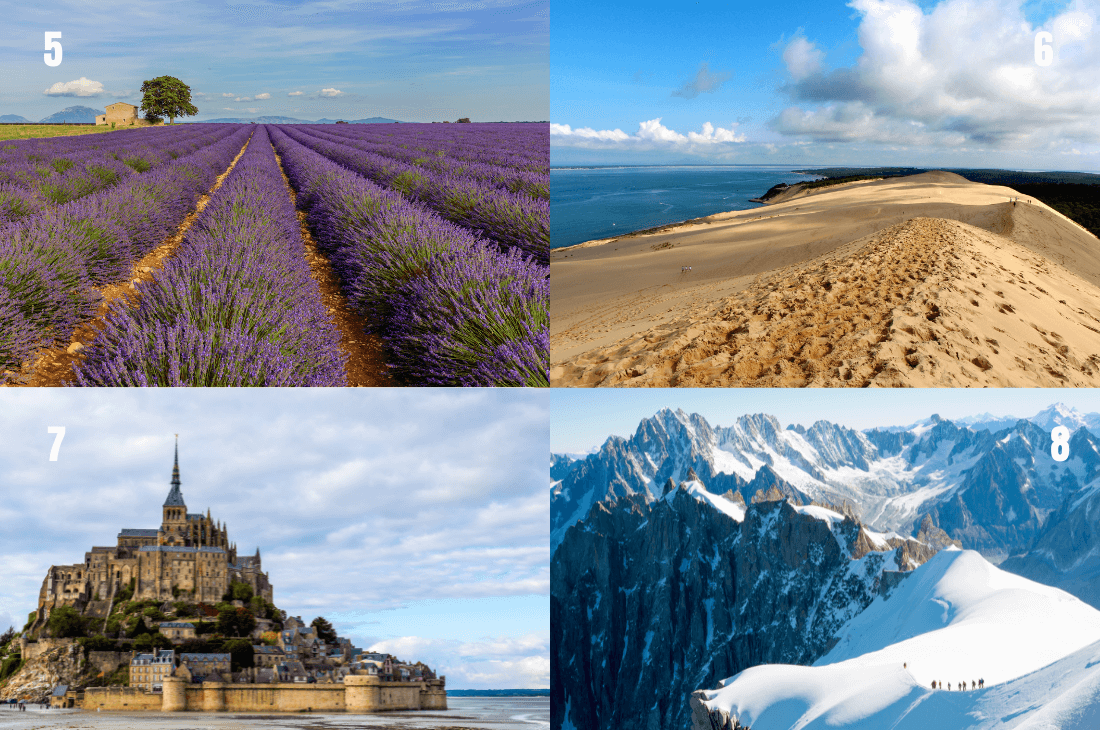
pixel 122 114
pixel 189 557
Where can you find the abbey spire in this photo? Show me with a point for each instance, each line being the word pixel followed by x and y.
pixel 175 497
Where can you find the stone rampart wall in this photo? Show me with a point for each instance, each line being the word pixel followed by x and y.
pixel 126 699
pixel 287 697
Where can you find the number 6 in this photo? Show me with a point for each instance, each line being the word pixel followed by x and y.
pixel 53 58
pixel 1044 54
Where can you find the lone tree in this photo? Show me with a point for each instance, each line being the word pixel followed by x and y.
pixel 166 96
pixel 324 629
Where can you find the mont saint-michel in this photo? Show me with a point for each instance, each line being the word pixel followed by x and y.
pixel 173 618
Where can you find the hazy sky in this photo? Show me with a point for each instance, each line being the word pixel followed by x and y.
pixel 583 419
pixel 411 60
pixel 416 520
pixel 880 82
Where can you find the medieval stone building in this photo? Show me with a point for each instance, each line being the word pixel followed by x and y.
pixel 188 558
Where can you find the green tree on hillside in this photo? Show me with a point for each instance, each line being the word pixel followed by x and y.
pixel 65 621
pixel 235 622
pixel 324 630
pixel 166 96
pixel 240 652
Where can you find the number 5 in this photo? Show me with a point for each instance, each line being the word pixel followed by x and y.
pixel 52 59
pixel 1044 54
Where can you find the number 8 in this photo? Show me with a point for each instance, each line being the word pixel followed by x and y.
pixel 1059 450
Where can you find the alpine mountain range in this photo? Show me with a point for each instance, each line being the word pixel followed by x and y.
pixel 687 553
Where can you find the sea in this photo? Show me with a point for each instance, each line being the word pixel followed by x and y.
pixel 588 203
pixel 496 713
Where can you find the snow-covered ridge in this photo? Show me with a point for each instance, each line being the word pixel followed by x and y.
pixel 696 489
pixel 956 618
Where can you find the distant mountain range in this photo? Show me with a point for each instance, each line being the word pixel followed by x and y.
pixel 69 115
pixel 994 487
pixel 293 120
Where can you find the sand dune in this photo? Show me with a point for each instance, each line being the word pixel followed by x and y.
pixel 926 281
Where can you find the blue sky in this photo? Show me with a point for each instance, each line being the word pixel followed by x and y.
pixel 410 60
pixel 582 420
pixel 879 82
pixel 415 520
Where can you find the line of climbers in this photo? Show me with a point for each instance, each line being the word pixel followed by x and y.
pixel 980 684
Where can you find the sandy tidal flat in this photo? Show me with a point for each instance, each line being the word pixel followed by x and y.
pixel 925 281
pixel 500 713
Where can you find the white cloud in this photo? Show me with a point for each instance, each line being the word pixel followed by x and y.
pixel 563 130
pixel 295 93
pixel 651 135
pixel 331 92
pixel 802 58
pixel 243 98
pixel 80 87
pixel 263 96
pixel 228 96
pixel 252 110
pixel 495 662
pixel 198 93
pixel 962 74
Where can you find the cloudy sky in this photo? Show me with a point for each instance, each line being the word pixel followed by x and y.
pixel 417 521
pixel 867 82
pixel 582 420
pixel 411 60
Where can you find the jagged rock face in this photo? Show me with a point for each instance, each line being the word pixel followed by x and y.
pixel 664 446
pixel 560 466
pixel 38 677
pixel 1066 554
pixel 652 600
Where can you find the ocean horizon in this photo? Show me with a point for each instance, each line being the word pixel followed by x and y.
pixel 589 202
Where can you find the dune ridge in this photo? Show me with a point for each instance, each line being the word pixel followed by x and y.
pixel 927 302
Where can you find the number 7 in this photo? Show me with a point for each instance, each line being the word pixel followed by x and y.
pixel 60 431
pixel 52 59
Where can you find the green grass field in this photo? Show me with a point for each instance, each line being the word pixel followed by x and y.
pixel 28 131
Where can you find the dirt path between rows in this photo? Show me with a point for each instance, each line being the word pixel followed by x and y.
pixel 53 367
pixel 366 364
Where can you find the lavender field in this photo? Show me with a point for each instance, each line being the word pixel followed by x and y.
pixel 437 234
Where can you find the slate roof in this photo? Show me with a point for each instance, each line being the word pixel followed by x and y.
pixel 178 549
pixel 60 690
pixel 130 532
pixel 177 625
pixel 204 657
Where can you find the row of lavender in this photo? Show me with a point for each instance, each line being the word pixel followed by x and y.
pixel 235 306
pixel 523 175
pixel 50 261
pixel 453 308
pixel 521 146
pixel 34 177
pixel 511 219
